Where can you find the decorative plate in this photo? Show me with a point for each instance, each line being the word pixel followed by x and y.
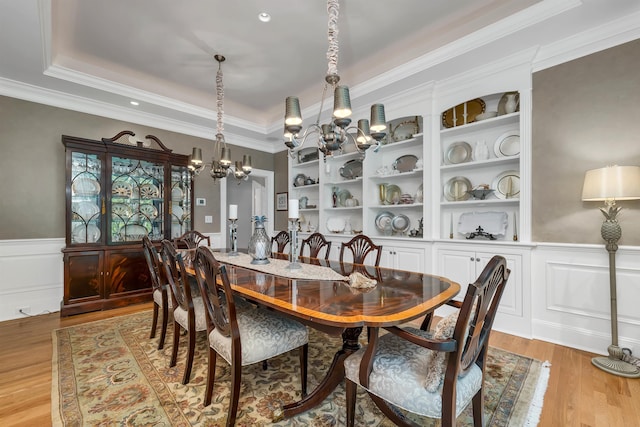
pixel 507 185
pixel 298 181
pixel 458 152
pixel 404 128
pixel 85 187
pixel 85 233
pixel 400 223
pixel 132 233
pixel 507 144
pixel 176 213
pixel 392 194
pixel 351 169
pixel 336 224
pixel 121 210
pixel 308 154
pixel 420 194
pixel 86 210
pixel 149 211
pixel 383 220
pixel 456 189
pixel 121 189
pixel 176 193
pixel 405 163
pixel 343 195
pixel 149 191
pixel 456 114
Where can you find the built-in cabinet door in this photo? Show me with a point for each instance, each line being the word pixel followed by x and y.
pixel 84 278
pixel 403 258
pixel 126 273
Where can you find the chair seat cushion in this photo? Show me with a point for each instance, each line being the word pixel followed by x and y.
pixel 180 315
pixel 157 297
pixel 398 376
pixel 263 335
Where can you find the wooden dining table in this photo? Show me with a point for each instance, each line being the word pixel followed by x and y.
pixel 336 308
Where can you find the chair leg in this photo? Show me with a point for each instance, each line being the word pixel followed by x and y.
pixel 190 353
pixel 165 323
pixel 236 380
pixel 154 322
pixel 304 355
pixel 265 365
pixel 351 388
pixel 478 408
pixel 176 343
pixel 211 374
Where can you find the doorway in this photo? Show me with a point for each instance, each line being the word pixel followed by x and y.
pixel 253 196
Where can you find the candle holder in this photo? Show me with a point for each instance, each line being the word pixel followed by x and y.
pixel 293 245
pixel 233 237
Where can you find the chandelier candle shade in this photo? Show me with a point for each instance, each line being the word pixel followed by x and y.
pixel 610 184
pixel 333 135
pixel 221 161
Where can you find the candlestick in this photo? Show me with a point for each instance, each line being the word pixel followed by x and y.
pixel 293 208
pixel 233 237
pixel 454 117
pixel 509 187
pixel 233 211
pixel 456 191
pixel 515 228
pixel 451 228
pixel 464 115
pixel 293 244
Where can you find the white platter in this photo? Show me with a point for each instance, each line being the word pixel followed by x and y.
pixel 507 144
pixel 176 213
pixel 507 185
pixel 132 233
pixel 176 193
pixel 86 210
pixel 85 187
pixel 85 234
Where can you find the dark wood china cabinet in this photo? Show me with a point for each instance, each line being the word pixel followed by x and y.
pixel 117 191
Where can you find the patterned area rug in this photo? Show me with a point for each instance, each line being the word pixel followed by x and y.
pixel 109 373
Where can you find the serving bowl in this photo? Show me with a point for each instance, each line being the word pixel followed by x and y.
pixel 486 115
pixel 480 193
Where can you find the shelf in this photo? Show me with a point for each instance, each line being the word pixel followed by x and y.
pixel 401 206
pixel 305 164
pixel 343 208
pixel 488 202
pixel 300 187
pixel 345 181
pixel 481 125
pixel 415 141
pixel 415 172
pixel 482 164
pixel 345 156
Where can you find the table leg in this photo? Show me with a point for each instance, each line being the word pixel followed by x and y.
pixel 334 376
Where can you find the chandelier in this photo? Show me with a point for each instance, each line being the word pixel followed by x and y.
pixel 221 161
pixel 333 135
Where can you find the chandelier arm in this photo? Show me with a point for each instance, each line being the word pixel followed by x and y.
pixel 299 142
pixel 332 33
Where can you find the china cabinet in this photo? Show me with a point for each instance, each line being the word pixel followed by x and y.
pixel 117 191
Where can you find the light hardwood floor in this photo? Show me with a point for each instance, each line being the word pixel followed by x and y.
pixel 578 394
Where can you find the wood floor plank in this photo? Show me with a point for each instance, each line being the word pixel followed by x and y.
pixel 578 393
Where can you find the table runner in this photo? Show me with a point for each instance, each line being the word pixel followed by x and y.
pixel 278 267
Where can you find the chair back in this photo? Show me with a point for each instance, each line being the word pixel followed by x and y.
pixel 217 295
pixel 475 319
pixel 176 276
pixel 191 240
pixel 281 240
pixel 153 262
pixel 316 242
pixel 360 246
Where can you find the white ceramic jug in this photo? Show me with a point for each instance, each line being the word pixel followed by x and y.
pixel 480 152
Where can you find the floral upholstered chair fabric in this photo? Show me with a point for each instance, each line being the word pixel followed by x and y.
pixel 404 368
pixel 242 336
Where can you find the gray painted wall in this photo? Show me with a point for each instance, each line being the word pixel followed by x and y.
pixel 32 187
pixel 586 115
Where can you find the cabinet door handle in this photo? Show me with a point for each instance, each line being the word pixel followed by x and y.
pixel 472 258
pixel 477 259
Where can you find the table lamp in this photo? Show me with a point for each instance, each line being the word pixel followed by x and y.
pixel 610 184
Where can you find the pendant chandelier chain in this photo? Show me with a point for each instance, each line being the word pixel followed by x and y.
pixel 332 33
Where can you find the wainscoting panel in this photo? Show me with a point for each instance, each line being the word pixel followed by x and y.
pixel 571 299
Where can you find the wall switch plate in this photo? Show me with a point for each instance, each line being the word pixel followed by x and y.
pixel 208 219
pixel 201 202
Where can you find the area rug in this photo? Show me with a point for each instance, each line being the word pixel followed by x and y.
pixel 109 373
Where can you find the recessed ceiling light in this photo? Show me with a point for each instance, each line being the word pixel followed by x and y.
pixel 264 17
pixel 134 102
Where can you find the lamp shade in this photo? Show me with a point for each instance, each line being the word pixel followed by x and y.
pixel 378 120
pixel 292 115
pixel 612 183
pixel 341 102
pixel 196 156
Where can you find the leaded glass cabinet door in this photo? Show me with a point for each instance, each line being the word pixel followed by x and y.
pixel 137 200
pixel 181 199
pixel 87 203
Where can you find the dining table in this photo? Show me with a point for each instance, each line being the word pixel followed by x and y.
pixel 319 293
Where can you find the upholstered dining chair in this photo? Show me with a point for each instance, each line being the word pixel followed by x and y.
pixel 191 239
pixel 281 240
pixel 161 296
pixel 188 311
pixel 316 242
pixel 360 246
pixel 239 335
pixel 432 374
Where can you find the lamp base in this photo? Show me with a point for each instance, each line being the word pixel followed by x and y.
pixel 614 364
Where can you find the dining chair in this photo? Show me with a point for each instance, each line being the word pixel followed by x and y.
pixel 316 242
pixel 360 246
pixel 188 312
pixel 239 335
pixel 161 296
pixel 431 374
pixel 281 240
pixel 191 239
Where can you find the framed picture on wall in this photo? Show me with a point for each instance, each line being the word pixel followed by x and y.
pixel 282 201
